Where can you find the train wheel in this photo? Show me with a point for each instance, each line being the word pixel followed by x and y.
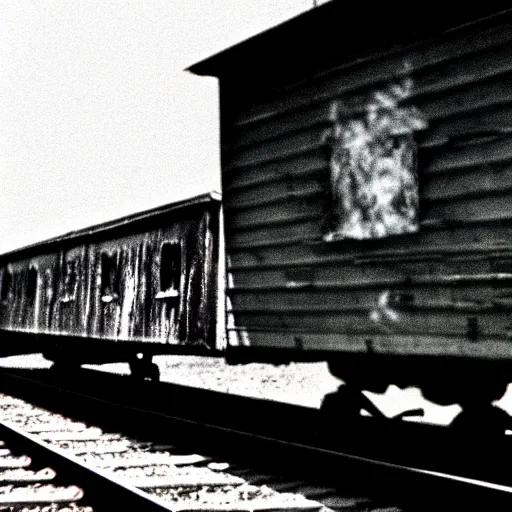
pixel 342 410
pixel 481 420
pixel 142 370
pixel 135 370
pixel 154 372
pixel 466 390
pixel 479 416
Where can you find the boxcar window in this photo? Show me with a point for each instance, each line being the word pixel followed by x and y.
pixel 6 285
pixel 70 281
pixel 170 266
pixel 109 278
pixel 374 178
pixel 31 284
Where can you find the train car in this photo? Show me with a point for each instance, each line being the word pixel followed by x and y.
pixel 367 188
pixel 122 291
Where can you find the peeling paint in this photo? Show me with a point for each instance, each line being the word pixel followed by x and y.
pixel 373 170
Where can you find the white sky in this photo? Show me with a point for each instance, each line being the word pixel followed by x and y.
pixel 98 118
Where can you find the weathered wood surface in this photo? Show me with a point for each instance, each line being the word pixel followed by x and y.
pixel 110 285
pixel 443 290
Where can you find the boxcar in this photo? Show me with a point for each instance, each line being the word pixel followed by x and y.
pixel 367 187
pixel 138 286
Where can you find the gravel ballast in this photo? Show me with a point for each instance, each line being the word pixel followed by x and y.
pixel 303 384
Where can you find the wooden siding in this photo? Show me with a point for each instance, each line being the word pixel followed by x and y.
pixel 71 296
pixel 444 290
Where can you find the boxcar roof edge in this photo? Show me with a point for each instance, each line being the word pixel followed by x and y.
pixel 320 31
pixel 112 225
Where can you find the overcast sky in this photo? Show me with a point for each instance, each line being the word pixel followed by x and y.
pixel 98 118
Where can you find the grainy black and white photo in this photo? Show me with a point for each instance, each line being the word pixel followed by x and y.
pixel 255 256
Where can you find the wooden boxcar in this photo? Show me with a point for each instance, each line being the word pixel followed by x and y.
pixel 367 187
pixel 145 284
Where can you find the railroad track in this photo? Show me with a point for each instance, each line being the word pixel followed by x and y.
pixel 167 456
pixel 22 486
pixel 186 481
pixel 35 476
pixel 399 442
pixel 183 481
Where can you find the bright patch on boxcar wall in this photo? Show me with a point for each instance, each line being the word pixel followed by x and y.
pixel 373 167
pixel 383 312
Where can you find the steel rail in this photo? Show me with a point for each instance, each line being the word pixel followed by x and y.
pixel 101 491
pixel 380 479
